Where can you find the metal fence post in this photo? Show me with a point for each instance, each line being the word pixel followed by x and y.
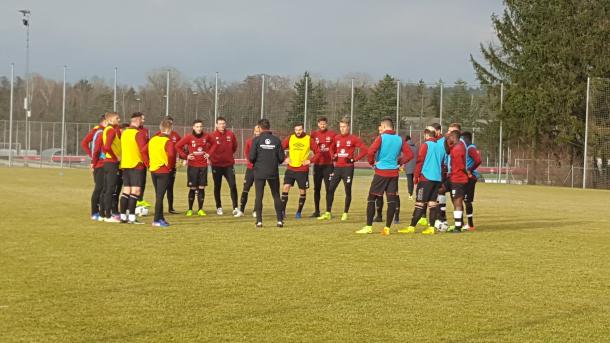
pixel 10 125
pixel 584 164
pixel 63 121
pixel 262 95
pixel 216 98
pixel 397 106
pixel 305 109
pixel 351 109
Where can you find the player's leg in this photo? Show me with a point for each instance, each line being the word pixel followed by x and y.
pixel 318 177
pixel 248 182
pixel 170 191
pixel 303 183
pixel 468 200
pixel 217 174
pixel 457 196
pixel 160 182
pixel 347 184
pixel 335 180
pixel 202 183
pixel 289 180
pixel 98 186
pixel 110 179
pixel 141 195
pixel 410 185
pixel 379 209
pixel 274 186
pixel 259 188
pixel 229 174
pixel 125 194
pixel 375 191
pixel 397 212
pixel 137 179
pixel 391 191
pixel 327 171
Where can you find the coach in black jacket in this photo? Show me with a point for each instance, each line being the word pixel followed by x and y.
pixel 266 155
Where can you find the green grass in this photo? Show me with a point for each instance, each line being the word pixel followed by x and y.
pixel 537 269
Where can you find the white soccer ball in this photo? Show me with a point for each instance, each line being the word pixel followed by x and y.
pixel 141 211
pixel 441 226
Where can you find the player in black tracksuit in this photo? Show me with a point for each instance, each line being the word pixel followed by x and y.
pixel 266 154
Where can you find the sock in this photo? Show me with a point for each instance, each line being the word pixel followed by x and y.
pixel 200 196
pixel 370 209
pixel 243 201
pixel 391 211
pixel 284 201
pixel 442 207
pixel 301 202
pixel 379 206
pixel 418 212
pixel 191 198
pixel 457 216
pixel 133 199
pixel 432 215
pixel 397 213
pixel 123 202
pixel 469 211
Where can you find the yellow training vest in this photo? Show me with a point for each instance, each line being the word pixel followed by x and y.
pixel 131 155
pixel 298 150
pixel 116 143
pixel 156 152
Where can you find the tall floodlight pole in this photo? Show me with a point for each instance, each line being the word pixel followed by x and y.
pixel 167 94
pixel 63 121
pixel 216 98
pixel 196 94
pixel 584 165
pixel 305 107
pixel 397 106
pixel 114 97
pixel 262 95
pixel 28 97
pixel 351 110
pixel 500 144
pixel 10 120
pixel 440 107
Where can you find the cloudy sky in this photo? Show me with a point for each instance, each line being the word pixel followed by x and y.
pixel 409 39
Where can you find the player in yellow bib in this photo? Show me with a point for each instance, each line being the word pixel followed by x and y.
pixel 300 147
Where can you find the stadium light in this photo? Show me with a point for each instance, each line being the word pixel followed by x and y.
pixel 25 19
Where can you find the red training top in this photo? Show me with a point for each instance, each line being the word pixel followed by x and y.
pixel 324 140
pixel 224 145
pixel 247 151
pixel 458 172
pixel 198 146
pixel 87 140
pixel 344 147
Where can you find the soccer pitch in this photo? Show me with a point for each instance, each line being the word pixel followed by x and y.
pixel 537 269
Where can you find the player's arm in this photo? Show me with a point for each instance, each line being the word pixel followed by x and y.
pixel 252 153
pixel 142 141
pixel 316 152
pixel 211 146
pixel 407 154
pixel 97 149
pixel 333 150
pixel 476 157
pixel 281 154
pixel 107 148
pixel 421 157
pixel 373 149
pixel 362 150
pixel 180 148
pixel 234 140
pixel 86 141
pixel 248 147
pixel 170 150
pixel 285 147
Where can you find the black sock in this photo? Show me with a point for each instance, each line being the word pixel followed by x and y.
pixel 133 199
pixel 391 210
pixel 469 214
pixel 433 215
pixel 200 197
pixel 379 206
pixel 370 209
pixel 418 212
pixel 302 198
pixel 397 213
pixel 123 203
pixel 243 201
pixel 191 198
pixel 284 201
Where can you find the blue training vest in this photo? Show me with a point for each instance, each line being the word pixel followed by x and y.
pixel 434 159
pixel 387 156
pixel 470 160
pixel 92 143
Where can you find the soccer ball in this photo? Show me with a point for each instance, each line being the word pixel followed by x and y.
pixel 141 211
pixel 441 226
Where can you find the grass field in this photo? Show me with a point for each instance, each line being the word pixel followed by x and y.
pixel 536 270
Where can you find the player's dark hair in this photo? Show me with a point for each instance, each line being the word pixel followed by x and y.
pixel 436 126
pixel 429 132
pixel 407 138
pixel 344 120
pixel 299 124
pixel 467 137
pixel 197 121
pixel 456 125
pixel 166 124
pixel 387 121
pixel 109 115
pixel 324 119
pixel 137 115
pixel 220 119
pixel 454 134
pixel 102 117
pixel 169 118
pixel 264 124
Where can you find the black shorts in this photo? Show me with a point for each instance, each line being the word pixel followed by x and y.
pixel 322 171
pixel 133 177
pixel 342 173
pixel 301 178
pixel 469 192
pixel 457 190
pixel 196 177
pixel 427 191
pixel 382 184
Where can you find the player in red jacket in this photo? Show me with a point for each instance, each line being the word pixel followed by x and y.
pixel 323 167
pixel 195 149
pixel 91 142
pixel 249 177
pixel 458 176
pixel 224 146
pixel 343 152
pixel 174 137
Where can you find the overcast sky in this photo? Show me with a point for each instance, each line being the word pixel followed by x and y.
pixel 408 39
